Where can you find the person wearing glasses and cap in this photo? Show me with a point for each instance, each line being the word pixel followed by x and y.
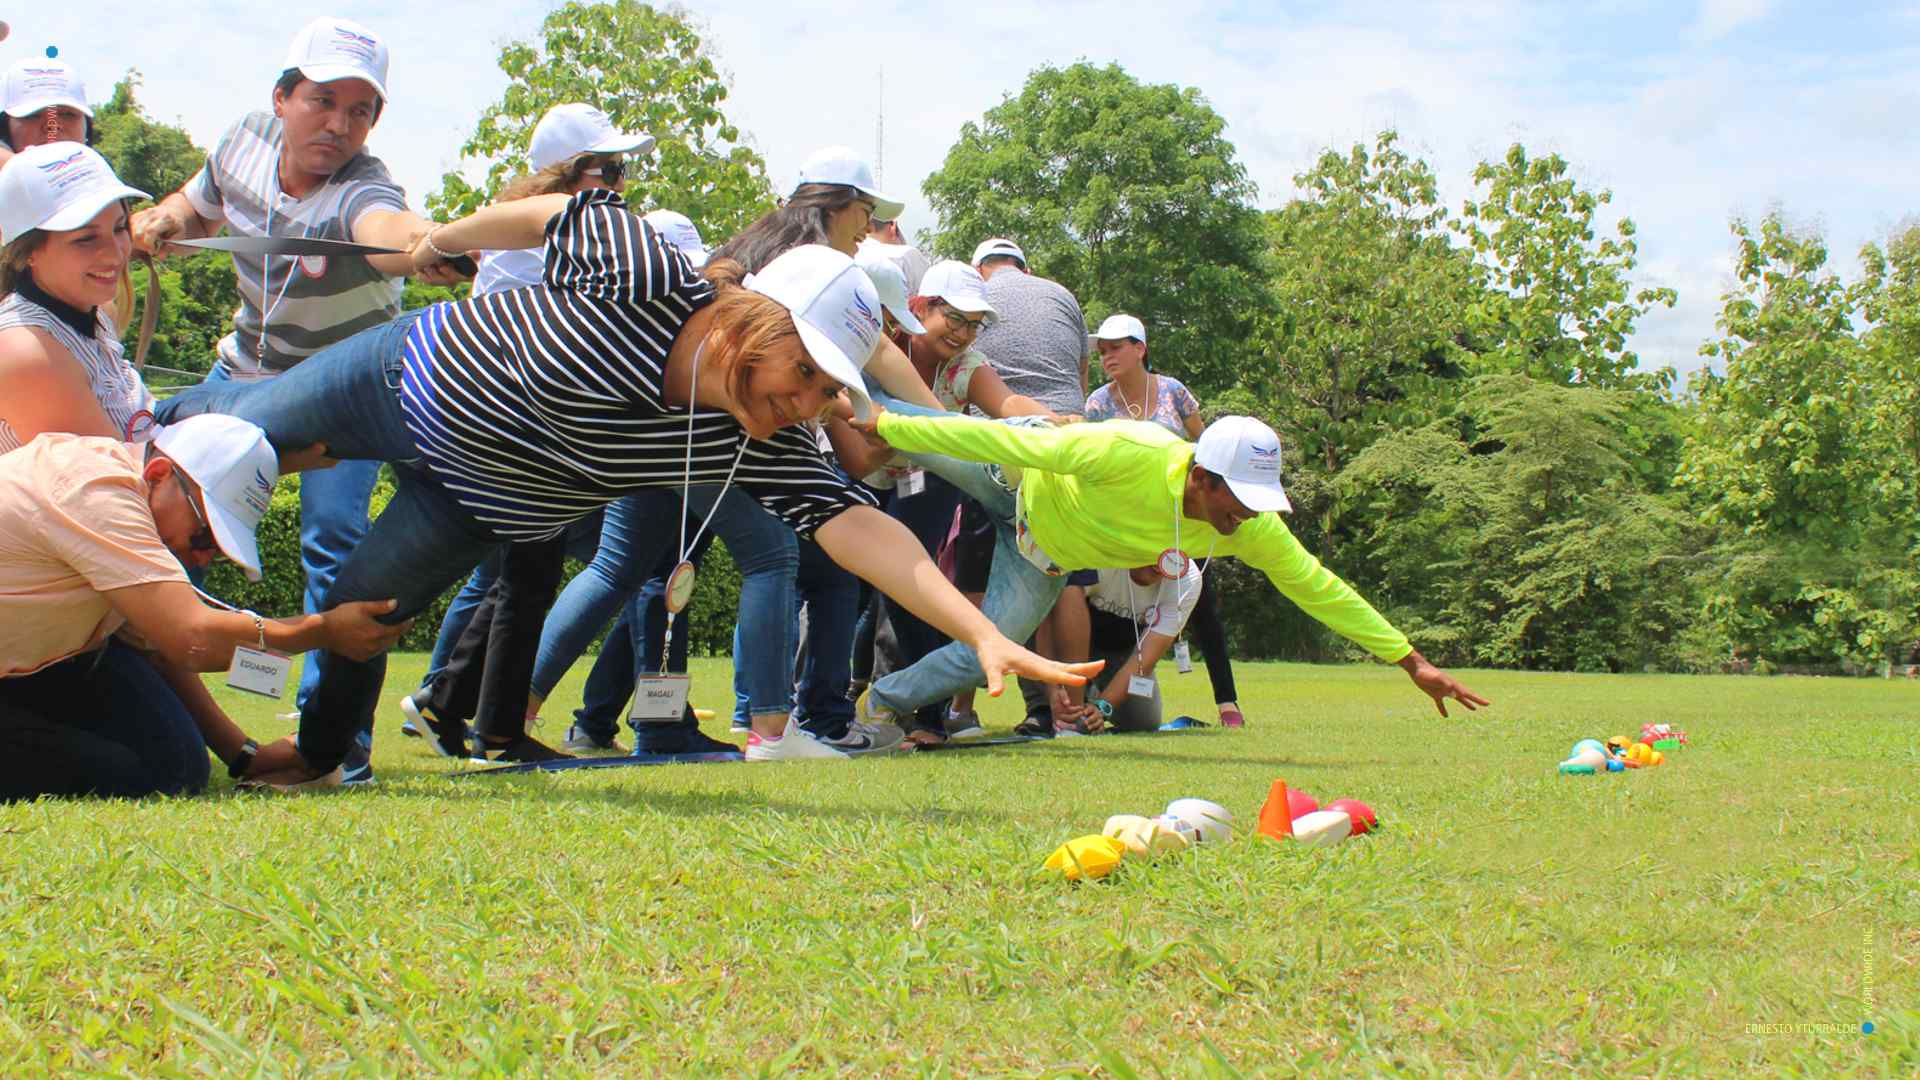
pixel 301 170
pixel 101 636
pixel 45 102
pixel 511 415
pixel 1084 497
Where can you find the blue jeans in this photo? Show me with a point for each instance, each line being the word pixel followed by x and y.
pixel 583 539
pixel 832 596
pixel 643 528
pixel 101 723
pixel 611 680
pixel 333 521
pixel 1019 595
pixel 348 397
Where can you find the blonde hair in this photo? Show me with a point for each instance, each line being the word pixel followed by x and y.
pixel 747 326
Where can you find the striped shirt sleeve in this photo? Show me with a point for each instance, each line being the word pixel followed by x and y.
pixel 597 248
pixel 203 190
pixel 790 476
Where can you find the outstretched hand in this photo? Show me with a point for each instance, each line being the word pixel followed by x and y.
pixel 1000 657
pixel 1439 685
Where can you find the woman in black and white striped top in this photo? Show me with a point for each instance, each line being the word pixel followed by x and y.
pixel 510 415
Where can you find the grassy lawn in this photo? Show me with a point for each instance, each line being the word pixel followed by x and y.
pixel 1727 914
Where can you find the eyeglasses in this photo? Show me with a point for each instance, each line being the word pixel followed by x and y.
pixel 612 170
pixel 202 540
pixel 960 320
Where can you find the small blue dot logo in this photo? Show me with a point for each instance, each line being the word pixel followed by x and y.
pixel 1866 1028
pixel 52 51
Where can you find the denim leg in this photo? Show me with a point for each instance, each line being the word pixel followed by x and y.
pixel 333 521
pixel 637 529
pixel 103 723
pixel 346 396
pixel 768 555
pixel 459 613
pixel 1018 597
pixel 421 545
pixel 610 681
pixel 833 604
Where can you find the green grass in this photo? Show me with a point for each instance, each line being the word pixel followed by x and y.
pixel 889 916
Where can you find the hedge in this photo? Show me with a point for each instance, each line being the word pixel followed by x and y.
pixel 279 592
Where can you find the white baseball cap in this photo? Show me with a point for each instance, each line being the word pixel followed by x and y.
pixel 960 285
pixel 1119 328
pixel 33 85
pixel 328 48
pixel 1246 453
pixel 998 246
pixel 235 468
pixel 840 165
pixel 575 128
pixel 680 232
pixel 834 307
pixel 890 282
pixel 56 187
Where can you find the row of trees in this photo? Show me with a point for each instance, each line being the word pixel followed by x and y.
pixel 1470 438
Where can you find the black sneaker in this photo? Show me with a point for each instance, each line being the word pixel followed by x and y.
pixel 1035 727
pixel 447 738
pixel 678 739
pixel 524 748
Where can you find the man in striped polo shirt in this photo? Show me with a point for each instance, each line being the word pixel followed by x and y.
pixel 301 170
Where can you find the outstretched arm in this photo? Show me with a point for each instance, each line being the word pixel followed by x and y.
pixel 881 551
pixel 1439 685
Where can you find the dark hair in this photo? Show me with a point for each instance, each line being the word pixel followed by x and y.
pixel 14 258
pixel 561 177
pixel 802 220
pixel 291 79
pixel 995 260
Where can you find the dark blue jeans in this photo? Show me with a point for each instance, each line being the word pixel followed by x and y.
pixel 348 397
pixel 832 596
pixel 101 723
pixel 611 680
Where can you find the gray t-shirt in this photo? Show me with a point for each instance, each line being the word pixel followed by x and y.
pixel 1039 341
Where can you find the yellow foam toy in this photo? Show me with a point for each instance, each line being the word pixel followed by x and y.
pixel 1087 857
pixel 1143 836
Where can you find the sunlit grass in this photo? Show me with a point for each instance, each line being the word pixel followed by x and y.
pixel 889 916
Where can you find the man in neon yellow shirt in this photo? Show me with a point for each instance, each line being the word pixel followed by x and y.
pixel 1121 493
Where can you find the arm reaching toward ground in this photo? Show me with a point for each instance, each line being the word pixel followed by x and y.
pixel 881 551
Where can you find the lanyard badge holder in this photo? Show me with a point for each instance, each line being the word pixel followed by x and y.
pixel 256 670
pixel 660 697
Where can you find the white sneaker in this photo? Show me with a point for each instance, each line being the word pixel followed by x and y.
pixel 867 738
pixel 964 725
pixel 793 744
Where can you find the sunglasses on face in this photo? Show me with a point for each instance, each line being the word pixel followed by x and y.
pixel 611 170
pixel 203 539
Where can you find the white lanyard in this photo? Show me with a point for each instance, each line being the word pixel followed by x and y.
pixel 1128 405
pixel 680 582
pixel 266 281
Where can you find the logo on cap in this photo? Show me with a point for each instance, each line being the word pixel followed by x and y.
pixel 56 166
pixel 866 311
pixel 260 495
pixel 1261 453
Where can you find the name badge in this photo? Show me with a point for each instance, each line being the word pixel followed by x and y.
pixel 659 699
pixel 259 672
pixel 1182 656
pixel 1140 686
pixel 914 482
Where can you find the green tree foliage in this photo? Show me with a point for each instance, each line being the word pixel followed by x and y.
pixel 198 294
pixel 1515 531
pixel 1566 307
pixel 1126 193
pixel 649 71
pixel 1806 450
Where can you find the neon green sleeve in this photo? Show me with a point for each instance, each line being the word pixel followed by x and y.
pixel 1268 544
pixel 1075 449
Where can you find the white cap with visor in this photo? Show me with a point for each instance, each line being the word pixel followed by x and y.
pixel 834 307
pixel 33 85
pixel 959 285
pixel 1246 454
pixel 891 283
pixel 56 187
pixel 328 49
pixel 576 128
pixel 840 165
pixel 235 468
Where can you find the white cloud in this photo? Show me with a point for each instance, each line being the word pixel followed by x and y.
pixel 1684 133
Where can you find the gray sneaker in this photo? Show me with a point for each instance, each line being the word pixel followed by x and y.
pixel 582 742
pixel 964 725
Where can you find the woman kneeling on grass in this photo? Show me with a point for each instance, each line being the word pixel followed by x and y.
pixel 508 416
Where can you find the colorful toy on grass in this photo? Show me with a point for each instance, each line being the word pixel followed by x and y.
pixel 1089 857
pixel 1291 814
pixel 1186 822
pixel 1591 757
pixel 1662 736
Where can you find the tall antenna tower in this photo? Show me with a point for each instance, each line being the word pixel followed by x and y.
pixel 880 134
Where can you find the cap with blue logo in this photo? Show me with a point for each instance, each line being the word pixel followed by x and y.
pixel 235 468
pixel 1245 453
pixel 834 307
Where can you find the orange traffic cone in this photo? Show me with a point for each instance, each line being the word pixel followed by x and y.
pixel 1276 821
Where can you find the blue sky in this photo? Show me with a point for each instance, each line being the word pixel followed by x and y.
pixel 1690 114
